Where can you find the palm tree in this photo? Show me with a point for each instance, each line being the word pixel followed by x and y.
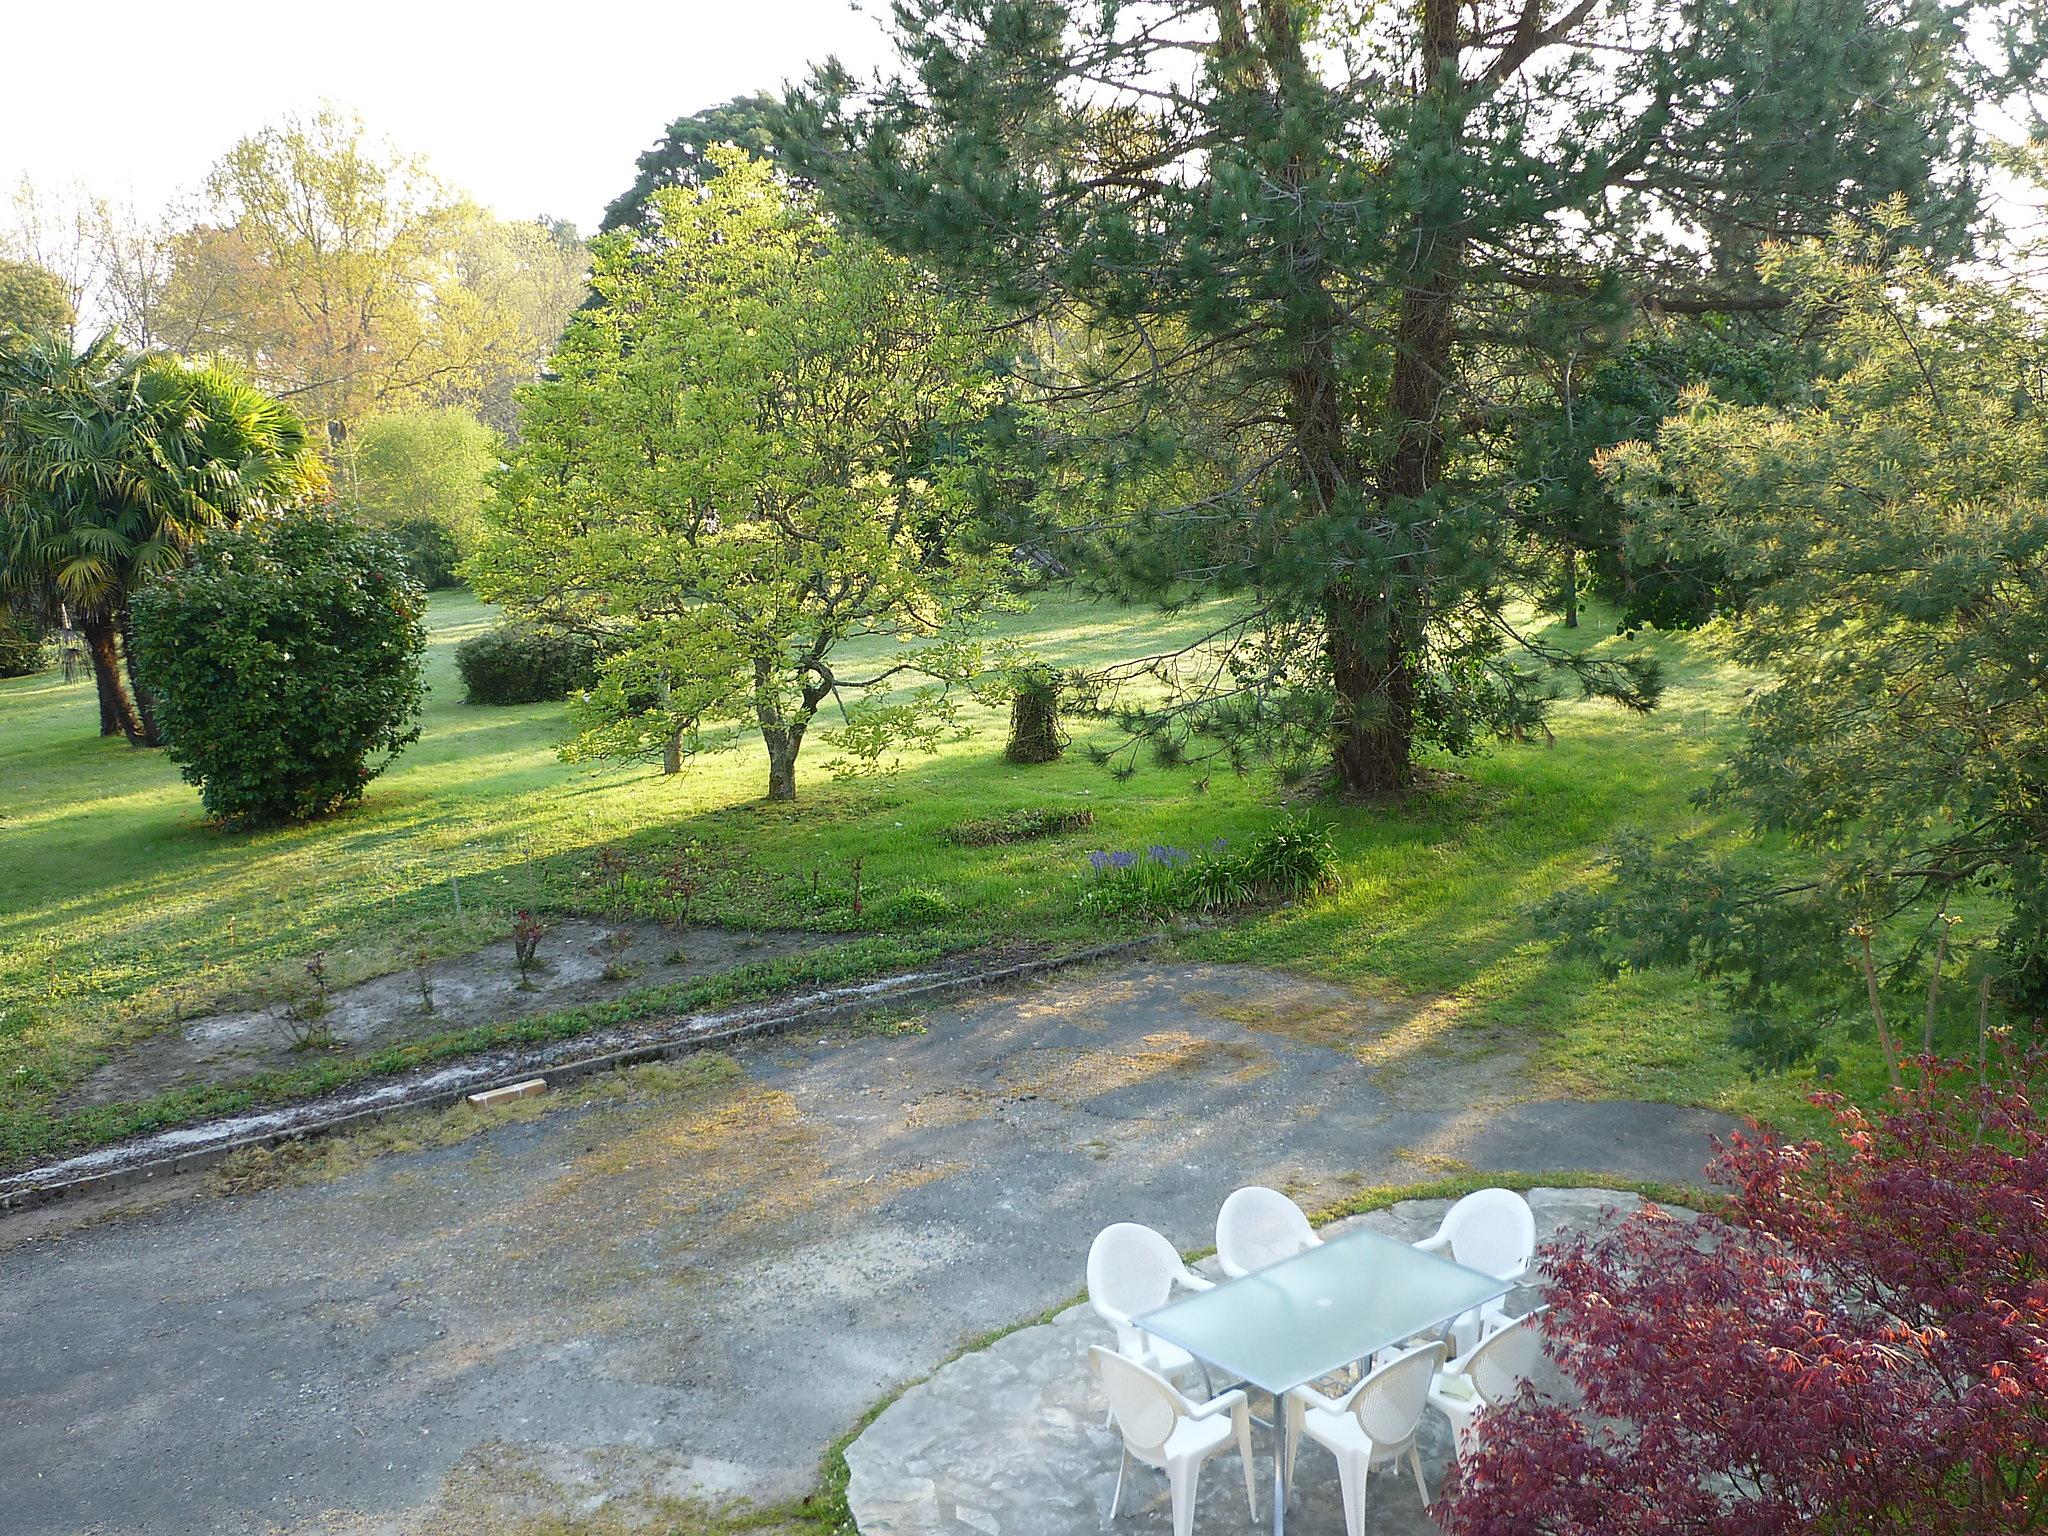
pixel 52 395
pixel 113 466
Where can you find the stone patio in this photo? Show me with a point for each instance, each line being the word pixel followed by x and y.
pixel 1010 1440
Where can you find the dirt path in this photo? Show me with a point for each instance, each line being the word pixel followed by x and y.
pixel 693 1291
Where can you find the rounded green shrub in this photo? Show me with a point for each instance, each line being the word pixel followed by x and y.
pixel 522 664
pixel 285 660
pixel 24 650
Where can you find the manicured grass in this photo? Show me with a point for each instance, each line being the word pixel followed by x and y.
pixel 122 912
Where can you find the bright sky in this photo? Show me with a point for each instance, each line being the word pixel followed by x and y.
pixel 533 109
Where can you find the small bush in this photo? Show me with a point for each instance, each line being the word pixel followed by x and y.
pixel 284 656
pixel 913 909
pixel 522 664
pixel 1283 863
pixel 1292 859
pixel 1019 826
pixel 24 650
pixel 429 552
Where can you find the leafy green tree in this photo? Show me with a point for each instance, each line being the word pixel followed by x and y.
pixel 1595 396
pixel 1889 536
pixel 339 272
pixel 682 156
pixel 286 656
pixel 1280 253
pixel 33 301
pixel 712 483
pixel 421 466
pixel 112 467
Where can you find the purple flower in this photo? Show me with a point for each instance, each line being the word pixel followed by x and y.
pixel 1121 860
pixel 1098 861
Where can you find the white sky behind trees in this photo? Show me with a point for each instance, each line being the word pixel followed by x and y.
pixel 532 109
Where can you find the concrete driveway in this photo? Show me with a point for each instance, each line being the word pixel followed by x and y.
pixel 691 1291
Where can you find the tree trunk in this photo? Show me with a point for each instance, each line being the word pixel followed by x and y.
pixel 1373 741
pixel 145 701
pixel 117 711
pixel 782 750
pixel 1376 634
pixel 1571 589
pixel 672 756
pixel 783 737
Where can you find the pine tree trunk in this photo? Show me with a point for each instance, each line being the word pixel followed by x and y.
pixel 1376 636
pixel 145 701
pixel 1571 589
pixel 1373 741
pixel 117 710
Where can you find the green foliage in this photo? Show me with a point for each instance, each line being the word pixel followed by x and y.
pixel 912 909
pixel 429 552
pixel 24 646
pixel 1292 859
pixel 524 664
pixel 682 157
pixel 725 475
pixel 286 661
pixel 1891 535
pixel 1594 404
pixel 33 301
pixel 434 466
pixel 1286 269
pixel 1028 825
pixel 111 466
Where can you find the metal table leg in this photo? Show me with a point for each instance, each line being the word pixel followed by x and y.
pixel 1279 1464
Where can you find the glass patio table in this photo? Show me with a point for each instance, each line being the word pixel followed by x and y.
pixel 1280 1327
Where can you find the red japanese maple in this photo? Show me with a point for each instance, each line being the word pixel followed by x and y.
pixel 1859 1344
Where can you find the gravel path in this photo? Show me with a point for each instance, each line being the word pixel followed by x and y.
pixel 693 1292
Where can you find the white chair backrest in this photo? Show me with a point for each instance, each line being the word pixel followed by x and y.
pixel 1492 1231
pixel 1144 1404
pixel 1257 1227
pixel 1131 1269
pixel 1389 1402
pixel 1503 1362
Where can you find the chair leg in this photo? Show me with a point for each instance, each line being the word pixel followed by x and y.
pixel 1243 1419
pixel 1415 1461
pixel 1351 1484
pixel 1116 1500
pixel 1182 1478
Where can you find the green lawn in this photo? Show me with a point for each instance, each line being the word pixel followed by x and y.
pixel 121 911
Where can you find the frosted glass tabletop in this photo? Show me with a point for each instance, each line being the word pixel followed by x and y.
pixel 1304 1317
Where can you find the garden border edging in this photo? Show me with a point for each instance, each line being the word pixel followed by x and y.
pixel 188 1149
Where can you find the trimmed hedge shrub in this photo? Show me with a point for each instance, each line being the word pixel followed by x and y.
pixel 522 664
pixel 24 650
pixel 429 551
pixel 285 659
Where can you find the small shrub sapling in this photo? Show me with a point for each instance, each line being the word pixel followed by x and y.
pixel 527 930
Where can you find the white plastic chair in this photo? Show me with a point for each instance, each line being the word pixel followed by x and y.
pixel 1372 1425
pixel 1494 1232
pixel 1163 1428
pixel 1133 1270
pixel 1257 1227
pixel 1486 1375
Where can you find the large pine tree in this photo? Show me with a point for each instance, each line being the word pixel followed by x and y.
pixel 1281 258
